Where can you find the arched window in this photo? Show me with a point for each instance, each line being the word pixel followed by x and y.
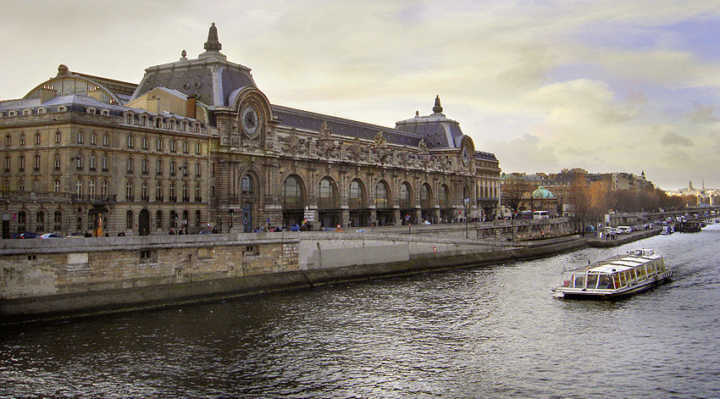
pixel 129 220
pixel 247 185
pixel 443 197
pixel 357 195
pixel 173 219
pixel 381 195
pixel 292 193
pixel 426 196
pixel 198 218
pixel 327 194
pixel 58 221
pixel 159 219
pixel 405 196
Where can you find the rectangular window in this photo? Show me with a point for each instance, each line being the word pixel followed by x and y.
pixel 197 148
pixel 158 167
pixel 37 139
pixel 104 164
pixel 7 164
pixel 159 144
pixel 144 166
pixel 130 141
pixel 145 143
pixel 36 163
pixel 130 165
pixel 80 138
pixel 172 145
pixel 21 163
pixel 106 140
pixel 58 137
pixel 197 169
pixel 172 167
pixel 185 147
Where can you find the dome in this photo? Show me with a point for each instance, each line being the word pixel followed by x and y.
pixel 542 193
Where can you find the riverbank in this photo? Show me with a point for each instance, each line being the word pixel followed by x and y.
pixel 49 279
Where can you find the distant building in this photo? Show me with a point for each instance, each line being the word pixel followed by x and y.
pixel 197 145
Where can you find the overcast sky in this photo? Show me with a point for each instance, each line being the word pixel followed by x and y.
pixel 545 85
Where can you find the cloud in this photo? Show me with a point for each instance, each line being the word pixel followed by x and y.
pixel 672 139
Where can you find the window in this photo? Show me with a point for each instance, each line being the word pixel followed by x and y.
pixel 129 191
pixel 144 192
pixel 79 138
pixel 381 195
pixel 197 148
pixel 7 164
pixel 40 221
pixel 144 166
pixel 78 188
pixel 57 162
pixel 58 221
pixel 185 168
pixel 104 189
pixel 8 140
pixel 197 169
pixel 185 194
pixel 129 220
pixel 105 163
pixel 144 143
pixel 159 220
pixel 22 138
pixel 37 139
pixel 106 140
pixel 185 147
pixel 172 145
pixel 198 196
pixel 22 219
pixel 173 219
pixel 159 192
pixel 198 218
pixel 58 137
pixel 57 186
pixel 36 162
pixel 93 138
pixel 246 185
pixel 158 167
pixel 91 162
pixel 405 201
pixel 130 165
pixel 91 188
pixel 130 141
pixel 443 196
pixel 172 167
pixel 78 162
pixel 159 144
pixel 173 197
pixel 327 194
pixel 21 163
pixel 90 220
pixel 292 194
pixel 21 185
pixel 425 197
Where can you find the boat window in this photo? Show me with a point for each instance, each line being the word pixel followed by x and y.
pixel 623 278
pixel 661 267
pixel 641 273
pixel 579 280
pixel 592 280
pixel 604 282
pixel 616 280
pixel 651 268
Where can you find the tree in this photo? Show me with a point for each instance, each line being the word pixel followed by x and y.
pixel 579 196
pixel 513 190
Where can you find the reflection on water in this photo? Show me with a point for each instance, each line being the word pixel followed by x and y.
pixel 484 332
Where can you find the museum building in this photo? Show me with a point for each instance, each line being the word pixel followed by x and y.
pixel 197 145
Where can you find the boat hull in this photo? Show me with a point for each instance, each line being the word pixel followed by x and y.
pixel 576 293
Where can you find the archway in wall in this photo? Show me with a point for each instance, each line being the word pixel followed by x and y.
pixel 426 204
pixel 385 212
pixel 144 222
pixel 446 212
pixel 407 205
pixel 328 203
pixel 293 201
pixel 357 202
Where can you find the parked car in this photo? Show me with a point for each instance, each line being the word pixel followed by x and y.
pixel 624 229
pixel 50 235
pixel 27 234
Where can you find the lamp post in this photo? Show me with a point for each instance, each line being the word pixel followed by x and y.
pixel 467 202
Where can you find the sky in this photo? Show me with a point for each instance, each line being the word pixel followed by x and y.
pixel 608 86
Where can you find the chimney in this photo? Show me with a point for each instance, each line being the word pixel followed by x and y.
pixel 190 104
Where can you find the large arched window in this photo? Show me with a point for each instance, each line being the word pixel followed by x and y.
pixel 405 196
pixel 327 194
pixel 426 196
pixel 357 195
pixel 443 196
pixel 247 185
pixel 292 193
pixel 129 220
pixel 381 195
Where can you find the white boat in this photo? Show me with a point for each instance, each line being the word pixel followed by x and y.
pixel 622 275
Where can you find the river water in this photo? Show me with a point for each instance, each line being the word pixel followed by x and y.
pixel 483 332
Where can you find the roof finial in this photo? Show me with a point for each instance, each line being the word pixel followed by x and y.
pixel 437 108
pixel 212 43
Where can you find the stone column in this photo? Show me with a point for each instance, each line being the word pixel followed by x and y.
pixel 436 215
pixel 397 216
pixel 373 216
pixel 345 216
pixel 418 215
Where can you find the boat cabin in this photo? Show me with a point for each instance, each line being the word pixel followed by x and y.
pixel 622 271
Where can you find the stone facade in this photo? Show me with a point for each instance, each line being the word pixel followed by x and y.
pixel 85 154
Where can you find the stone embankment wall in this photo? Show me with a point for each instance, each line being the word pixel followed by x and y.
pixel 41 278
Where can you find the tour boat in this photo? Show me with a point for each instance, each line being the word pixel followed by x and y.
pixel 622 275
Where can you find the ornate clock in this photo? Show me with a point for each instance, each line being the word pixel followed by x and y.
pixel 250 120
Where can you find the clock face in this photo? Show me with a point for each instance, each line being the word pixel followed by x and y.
pixel 250 120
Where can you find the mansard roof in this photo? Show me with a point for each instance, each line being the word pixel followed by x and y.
pixel 299 119
pixel 211 77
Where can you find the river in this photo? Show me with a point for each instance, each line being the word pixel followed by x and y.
pixel 492 332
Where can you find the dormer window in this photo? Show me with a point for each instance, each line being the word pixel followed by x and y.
pixel 12 113
pixel 42 111
pixel 90 110
pixel 62 108
pixel 105 112
pixel 27 112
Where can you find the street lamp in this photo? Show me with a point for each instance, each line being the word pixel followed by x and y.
pixel 467 202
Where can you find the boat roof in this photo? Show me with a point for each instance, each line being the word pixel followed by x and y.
pixel 623 262
pixel 610 268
